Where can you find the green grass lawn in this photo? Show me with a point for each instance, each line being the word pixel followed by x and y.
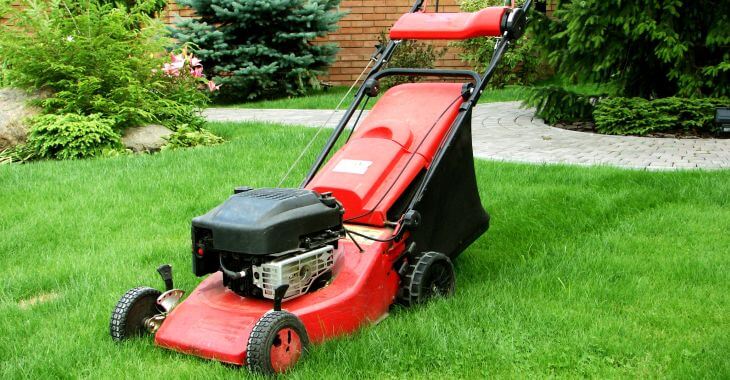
pixel 586 272
pixel 328 99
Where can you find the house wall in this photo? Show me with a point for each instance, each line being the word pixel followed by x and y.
pixel 360 29
pixel 4 18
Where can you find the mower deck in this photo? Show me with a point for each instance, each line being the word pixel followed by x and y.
pixel 215 323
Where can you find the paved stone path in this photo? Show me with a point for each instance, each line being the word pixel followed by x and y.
pixel 506 132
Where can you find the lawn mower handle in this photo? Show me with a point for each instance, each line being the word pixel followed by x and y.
pixel 427 72
pixel 515 25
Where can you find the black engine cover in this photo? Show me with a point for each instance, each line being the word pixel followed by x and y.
pixel 267 221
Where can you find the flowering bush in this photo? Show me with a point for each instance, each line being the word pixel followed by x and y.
pixel 97 58
pixel 187 66
pixel 102 58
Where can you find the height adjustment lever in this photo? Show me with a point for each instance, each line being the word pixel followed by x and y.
pixel 165 272
pixel 279 293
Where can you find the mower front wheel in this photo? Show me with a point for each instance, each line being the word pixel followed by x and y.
pixel 131 312
pixel 276 343
pixel 430 275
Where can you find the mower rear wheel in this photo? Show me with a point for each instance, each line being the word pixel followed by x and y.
pixel 430 275
pixel 131 312
pixel 276 343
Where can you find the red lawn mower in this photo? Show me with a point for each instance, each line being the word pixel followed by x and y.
pixel 379 223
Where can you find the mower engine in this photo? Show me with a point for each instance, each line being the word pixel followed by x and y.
pixel 262 239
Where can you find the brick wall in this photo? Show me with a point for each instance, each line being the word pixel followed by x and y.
pixel 359 32
pixel 4 18
pixel 173 11
pixel 551 6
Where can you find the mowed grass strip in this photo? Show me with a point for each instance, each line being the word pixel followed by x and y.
pixel 331 97
pixel 586 272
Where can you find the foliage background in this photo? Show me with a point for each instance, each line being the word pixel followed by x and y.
pixel 646 48
pixel 99 62
pixel 409 53
pixel 638 116
pixel 96 59
pixel 523 64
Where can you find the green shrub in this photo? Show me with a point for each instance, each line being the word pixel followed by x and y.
pixel 649 48
pixel 72 136
pixel 410 53
pixel 556 104
pixel 151 7
pixel 97 59
pixel 638 116
pixel 186 137
pixel 17 154
pixel 262 48
pixel 524 63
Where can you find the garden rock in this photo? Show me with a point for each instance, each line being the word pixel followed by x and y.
pixel 149 138
pixel 14 109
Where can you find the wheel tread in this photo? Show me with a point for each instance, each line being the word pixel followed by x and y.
pixel 257 350
pixel 410 293
pixel 118 321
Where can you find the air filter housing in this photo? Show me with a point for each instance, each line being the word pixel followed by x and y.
pixel 299 272
pixel 268 221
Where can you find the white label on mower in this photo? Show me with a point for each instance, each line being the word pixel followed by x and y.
pixel 352 166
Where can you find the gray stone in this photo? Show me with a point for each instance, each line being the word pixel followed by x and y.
pixel 149 138
pixel 14 110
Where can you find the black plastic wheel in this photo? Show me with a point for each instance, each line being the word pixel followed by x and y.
pixel 276 343
pixel 429 275
pixel 131 311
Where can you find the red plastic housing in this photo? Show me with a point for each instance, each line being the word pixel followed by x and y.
pixel 449 26
pixel 393 144
pixel 215 323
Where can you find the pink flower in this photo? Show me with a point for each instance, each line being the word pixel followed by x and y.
pixel 195 62
pixel 173 69
pixel 196 72
pixel 212 87
pixel 177 58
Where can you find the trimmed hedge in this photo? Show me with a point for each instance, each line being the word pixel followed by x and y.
pixel 638 116
pixel 71 136
pixel 556 104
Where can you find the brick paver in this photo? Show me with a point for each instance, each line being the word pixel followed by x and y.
pixel 506 132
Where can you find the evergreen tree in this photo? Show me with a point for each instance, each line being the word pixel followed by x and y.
pixel 647 48
pixel 261 48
